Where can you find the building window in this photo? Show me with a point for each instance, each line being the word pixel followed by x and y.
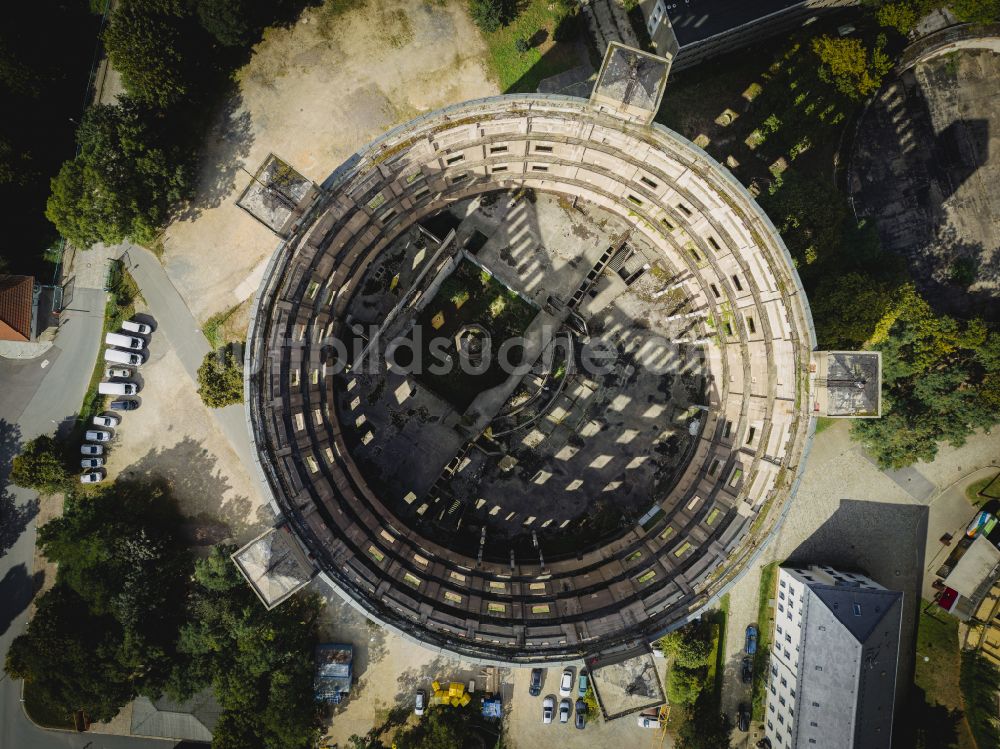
pixel 781 595
pixel 736 282
pixel 498 149
pixel 543 149
pixel 782 584
pixel 648 182
pixel 714 290
pixel 784 682
pixel 781 607
pixel 857 609
pixel 539 168
pixel 455 159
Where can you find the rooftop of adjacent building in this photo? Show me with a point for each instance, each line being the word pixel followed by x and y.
pixel 697 20
pixel 16 299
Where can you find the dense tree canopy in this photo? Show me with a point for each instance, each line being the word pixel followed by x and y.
pixel 124 180
pixel 259 662
pixel 220 378
pixel 940 382
pixel 107 628
pixel 41 465
pixel 854 69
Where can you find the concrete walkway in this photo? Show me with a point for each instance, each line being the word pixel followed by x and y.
pixel 175 321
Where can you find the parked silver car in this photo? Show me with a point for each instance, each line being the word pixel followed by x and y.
pixel 136 327
pixel 91 462
pixel 97 435
pixel 109 420
pixel 94 477
pixel 112 372
pixel 91 450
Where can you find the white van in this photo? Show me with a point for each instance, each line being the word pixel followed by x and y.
pixel 117 388
pixel 125 341
pixel 136 327
pixel 123 357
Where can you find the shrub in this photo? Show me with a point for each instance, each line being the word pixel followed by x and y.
pixel 220 378
pixel 490 15
pixel 40 466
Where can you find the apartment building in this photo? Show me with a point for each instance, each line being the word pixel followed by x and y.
pixel 692 31
pixel 832 679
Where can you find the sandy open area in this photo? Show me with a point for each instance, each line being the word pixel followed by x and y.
pixel 172 436
pixel 314 94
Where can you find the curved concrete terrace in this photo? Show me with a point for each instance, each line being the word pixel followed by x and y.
pixel 756 339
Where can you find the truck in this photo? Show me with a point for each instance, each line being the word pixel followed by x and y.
pixel 125 341
pixel 123 357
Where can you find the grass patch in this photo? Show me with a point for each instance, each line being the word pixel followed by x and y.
pixel 44 714
pixel 765 625
pixel 823 423
pixel 214 327
pixel 937 642
pixel 717 663
pixel 972 491
pixel 537 21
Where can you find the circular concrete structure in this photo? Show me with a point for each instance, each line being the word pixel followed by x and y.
pixel 739 327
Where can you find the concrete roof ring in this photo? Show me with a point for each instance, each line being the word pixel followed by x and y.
pixel 729 498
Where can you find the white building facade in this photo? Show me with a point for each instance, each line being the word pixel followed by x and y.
pixel 832 679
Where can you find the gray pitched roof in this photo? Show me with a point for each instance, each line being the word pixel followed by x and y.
pixel 841 599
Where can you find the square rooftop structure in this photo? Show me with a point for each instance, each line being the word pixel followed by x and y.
pixel 974 569
pixel 277 195
pixel 847 384
pixel 630 84
pixel 627 685
pixel 696 30
pixel 275 565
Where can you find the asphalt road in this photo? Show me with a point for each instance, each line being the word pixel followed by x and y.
pixel 37 400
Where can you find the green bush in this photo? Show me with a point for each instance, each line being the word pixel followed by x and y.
pixel 490 15
pixel 685 684
pixel 220 378
pixel 41 466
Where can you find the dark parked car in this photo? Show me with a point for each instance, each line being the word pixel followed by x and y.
pixel 743 718
pixel 581 714
pixel 535 686
pixel 751 646
pixel 747 669
pixel 124 405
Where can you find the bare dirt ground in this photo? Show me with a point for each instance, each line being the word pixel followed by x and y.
pixel 172 436
pixel 314 94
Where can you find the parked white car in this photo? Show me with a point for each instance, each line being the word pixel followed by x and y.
pixel 548 708
pixel 97 435
pixel 111 372
pixel 123 357
pixel 125 341
pixel 564 710
pixel 91 462
pixel 566 683
pixel 94 477
pixel 420 702
pixel 110 421
pixel 91 450
pixel 117 388
pixel 136 327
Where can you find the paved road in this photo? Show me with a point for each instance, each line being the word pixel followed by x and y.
pixel 175 321
pixel 36 400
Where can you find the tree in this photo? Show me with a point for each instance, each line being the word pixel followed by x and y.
pixel 259 662
pixel 220 379
pixel 901 16
pixel 490 15
pixel 231 22
pixel 976 11
pixel 40 466
pixel 850 66
pixel 690 646
pixel 706 727
pixel 106 630
pixel 68 656
pixel 153 44
pixel 847 309
pixel 684 685
pixel 124 180
pixel 939 379
pixel 442 728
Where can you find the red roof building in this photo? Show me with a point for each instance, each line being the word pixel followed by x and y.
pixel 16 299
